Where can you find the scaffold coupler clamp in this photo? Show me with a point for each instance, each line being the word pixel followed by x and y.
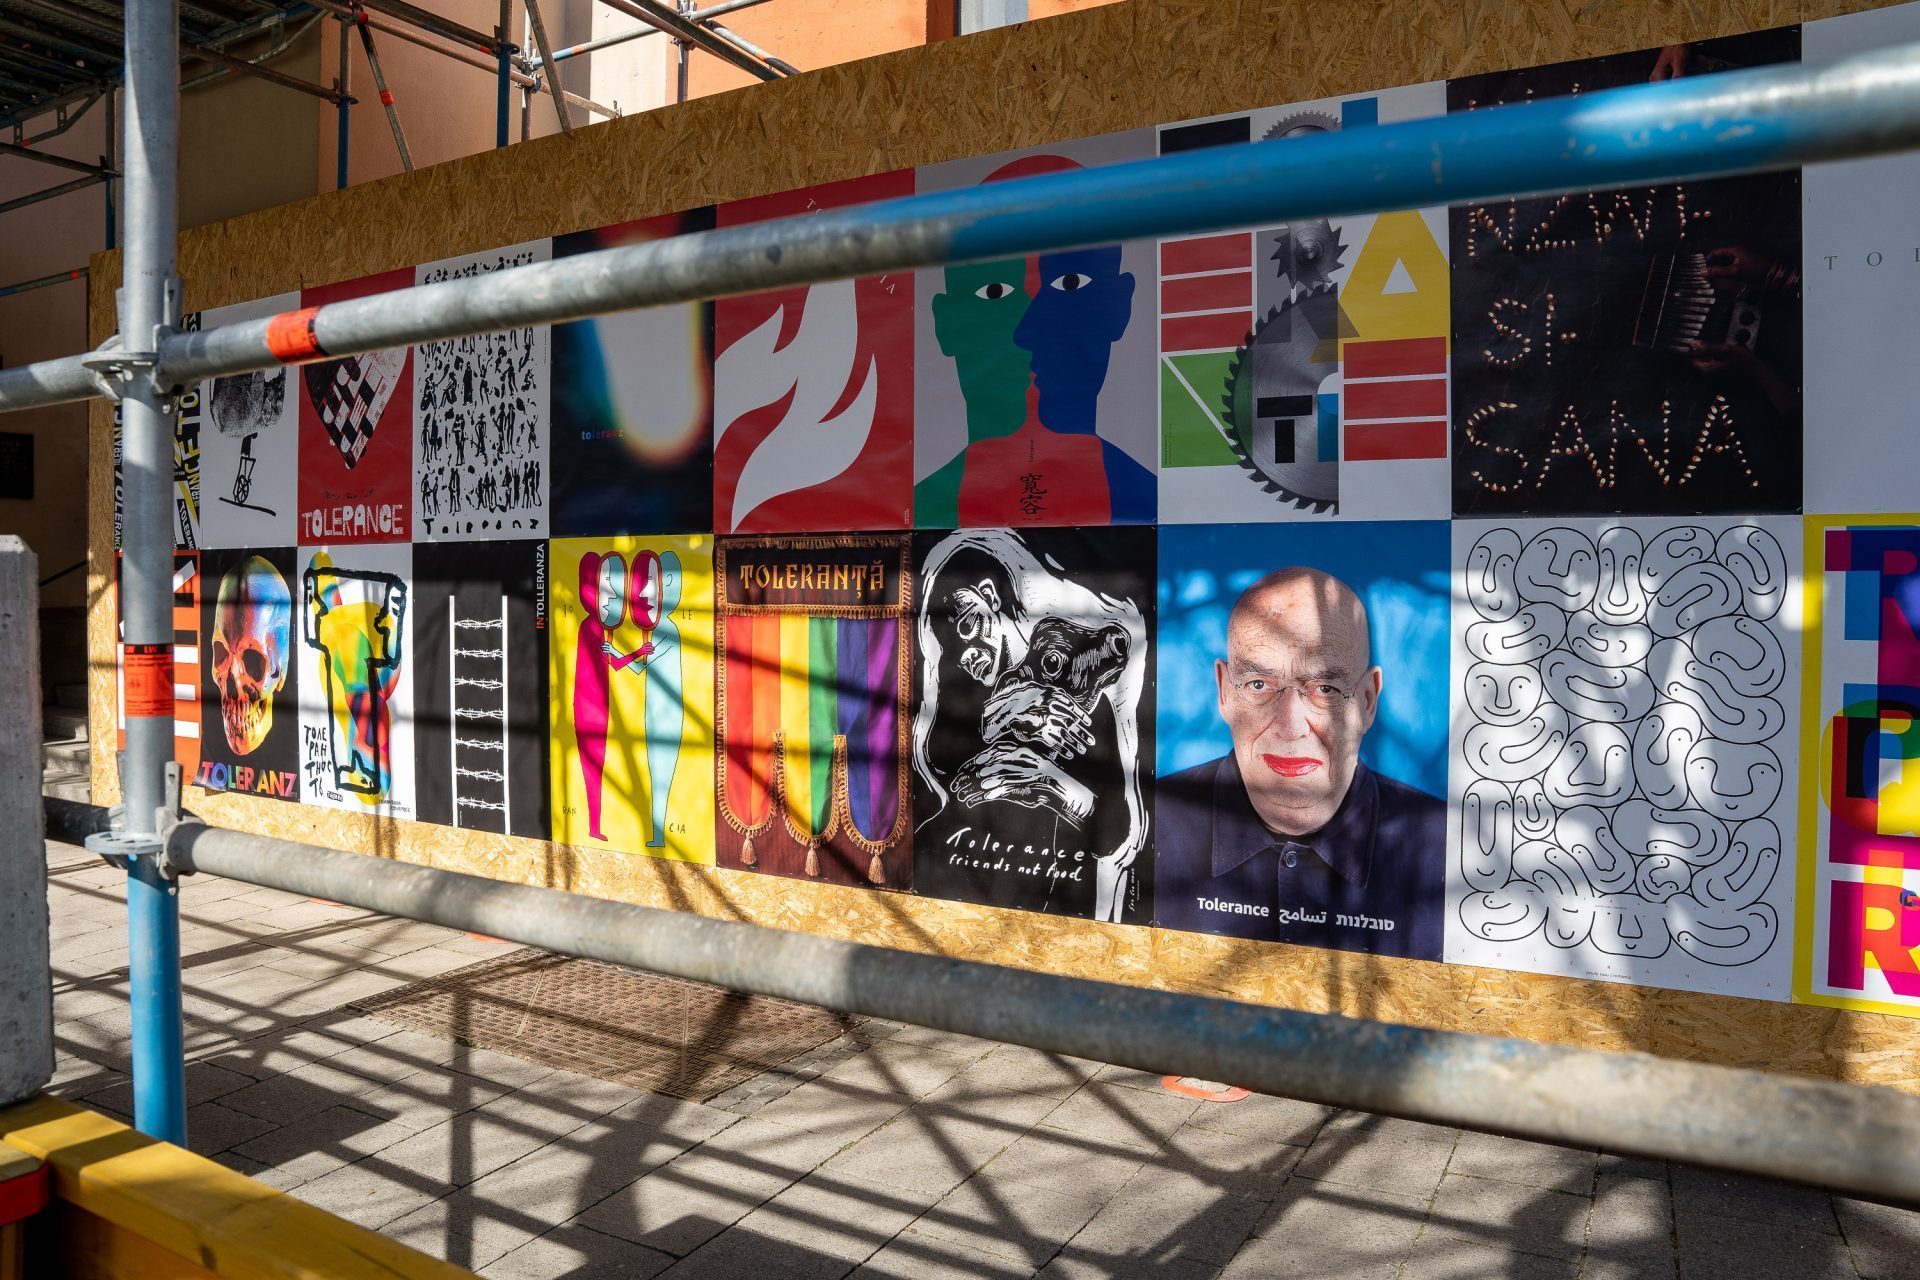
pixel 117 369
pixel 118 847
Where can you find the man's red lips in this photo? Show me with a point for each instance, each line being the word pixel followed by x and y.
pixel 1291 766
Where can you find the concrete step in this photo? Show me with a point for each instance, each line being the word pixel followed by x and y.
pixel 68 788
pixel 68 753
pixel 60 723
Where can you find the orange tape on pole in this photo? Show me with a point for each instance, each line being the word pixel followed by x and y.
pixel 290 336
pixel 149 677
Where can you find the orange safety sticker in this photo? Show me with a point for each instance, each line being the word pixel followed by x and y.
pixel 149 677
pixel 290 336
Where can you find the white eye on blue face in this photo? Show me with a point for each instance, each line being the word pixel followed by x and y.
pixel 1070 281
pixel 993 290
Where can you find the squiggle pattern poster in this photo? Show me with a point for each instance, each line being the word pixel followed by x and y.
pixel 1622 745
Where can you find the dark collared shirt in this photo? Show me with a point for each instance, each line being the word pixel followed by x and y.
pixel 1372 879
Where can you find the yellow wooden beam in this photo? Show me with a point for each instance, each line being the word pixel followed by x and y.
pixel 233 1226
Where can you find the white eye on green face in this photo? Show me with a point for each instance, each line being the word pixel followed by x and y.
pixel 1070 281
pixel 993 290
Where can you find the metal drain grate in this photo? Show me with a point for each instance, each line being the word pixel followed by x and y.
pixel 664 1035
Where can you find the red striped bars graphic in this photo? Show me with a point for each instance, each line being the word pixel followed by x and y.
pixel 1394 399
pixel 1206 292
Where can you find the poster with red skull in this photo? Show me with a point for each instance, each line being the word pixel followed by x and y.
pixel 249 713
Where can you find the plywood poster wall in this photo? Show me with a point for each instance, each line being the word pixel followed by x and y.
pixel 905 610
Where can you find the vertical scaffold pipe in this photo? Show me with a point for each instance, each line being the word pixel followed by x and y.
pixel 343 127
pixel 150 165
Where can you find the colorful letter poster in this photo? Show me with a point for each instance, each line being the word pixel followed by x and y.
pixel 1035 383
pixel 480 420
pixel 813 638
pixel 356 446
pixel 249 712
pixel 1633 351
pixel 356 689
pixel 1860 812
pixel 630 657
pixel 1624 730
pixel 1303 366
pixel 813 389
pixel 249 438
pixel 479 665
pixel 1033 720
pixel 1303 734
pixel 186 660
pixel 1861 253
pixel 633 405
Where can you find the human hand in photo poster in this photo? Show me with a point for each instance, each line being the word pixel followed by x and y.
pixel 1028 734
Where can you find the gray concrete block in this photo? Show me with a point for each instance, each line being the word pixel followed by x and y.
pixel 1709 1193
pixel 1533 1164
pixel 1014 1069
pixel 739 1254
pixel 1739 1249
pixel 26 973
pixel 826 1215
pixel 912 1256
pixel 1230 1162
pixel 1265 1119
pixel 212 1128
pixel 1440 1255
pixel 1323 1232
pixel 679 1207
pixel 1050 1158
pixel 579 1254
pixel 1021 1223
pixel 1168 1215
pixel 1402 1166
pixel 1884 1241
pixel 1524 1219
pixel 371 1193
pixel 1116 1116
pixel 464 1229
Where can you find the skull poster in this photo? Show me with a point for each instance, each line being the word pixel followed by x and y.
pixel 479 685
pixel 1033 727
pixel 356 443
pixel 356 682
pixel 249 717
pixel 248 444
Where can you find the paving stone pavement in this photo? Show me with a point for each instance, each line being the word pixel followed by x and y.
pixel 892 1151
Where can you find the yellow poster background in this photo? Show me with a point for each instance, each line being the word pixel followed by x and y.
pixel 625 816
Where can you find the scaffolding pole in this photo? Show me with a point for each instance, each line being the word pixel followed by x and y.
pixel 380 85
pixel 148 310
pixel 1852 1138
pixel 553 73
pixel 1732 122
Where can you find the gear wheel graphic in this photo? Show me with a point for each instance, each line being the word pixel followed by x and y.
pixel 1271 403
pixel 1308 253
pixel 1299 124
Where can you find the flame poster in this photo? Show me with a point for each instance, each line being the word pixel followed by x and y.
pixel 813 389
pixel 355 627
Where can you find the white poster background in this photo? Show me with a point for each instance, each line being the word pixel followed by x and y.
pixel 249 504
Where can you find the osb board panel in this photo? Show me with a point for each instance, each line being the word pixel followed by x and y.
pixel 1118 66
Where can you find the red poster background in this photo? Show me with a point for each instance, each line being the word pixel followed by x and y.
pixel 876 491
pixel 382 480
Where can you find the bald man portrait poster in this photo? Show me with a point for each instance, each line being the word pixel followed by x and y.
pixel 1303 724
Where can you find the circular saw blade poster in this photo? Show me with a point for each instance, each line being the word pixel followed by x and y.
pixel 356 438
pixel 1303 366
pixel 1634 351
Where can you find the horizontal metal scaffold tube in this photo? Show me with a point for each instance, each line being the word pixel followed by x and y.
pixel 1733 122
pixel 1854 1138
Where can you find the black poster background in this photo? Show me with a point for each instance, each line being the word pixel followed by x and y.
pixel 273 768
pixel 1117 562
pixel 1545 323
pixel 513 669
pixel 600 486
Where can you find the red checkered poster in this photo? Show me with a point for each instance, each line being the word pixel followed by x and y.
pixel 356 433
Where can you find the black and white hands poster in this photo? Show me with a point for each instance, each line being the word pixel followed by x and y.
pixel 1033 718
pixel 480 423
